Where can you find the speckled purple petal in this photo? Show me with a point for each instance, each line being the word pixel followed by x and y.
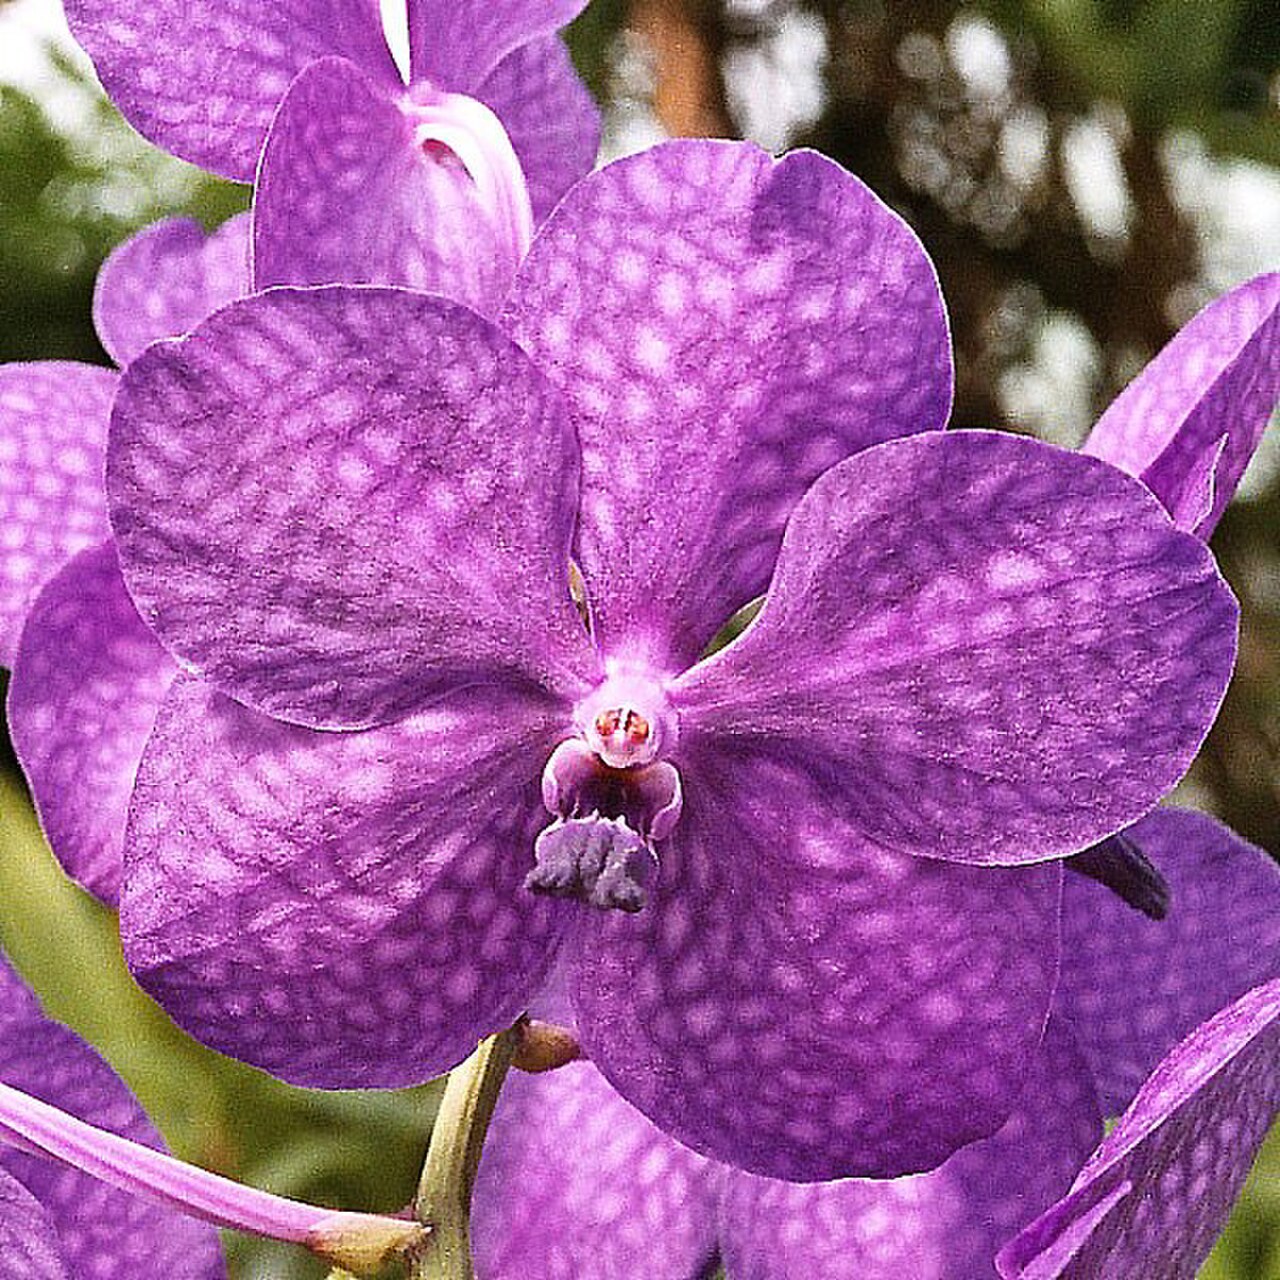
pixel 1188 424
pixel 101 1231
pixel 575 1184
pixel 801 1003
pixel 456 43
pixel 1005 649
pixel 726 326
pixel 944 1225
pixel 166 279
pixel 342 503
pixel 342 909
pixel 28 1239
pixel 17 1003
pixel 551 119
pixel 53 425
pixel 345 196
pixel 88 680
pixel 1153 1197
pixel 1134 987
pixel 201 78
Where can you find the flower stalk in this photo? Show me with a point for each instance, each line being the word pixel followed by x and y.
pixel 443 1202
pixel 359 1243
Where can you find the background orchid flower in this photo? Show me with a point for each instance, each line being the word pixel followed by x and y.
pixel 57 1222
pixel 53 414
pixel 353 510
pixel 1189 423
pixel 576 1183
pixel 88 679
pixel 87 1189
pixel 1156 1192
pixel 435 183
pixel 1178 1020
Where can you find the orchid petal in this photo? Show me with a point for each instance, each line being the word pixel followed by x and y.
pixel 575 1184
pixel 17 1003
pixel 201 78
pixel 53 426
pixel 342 909
pixel 456 43
pixel 1153 1197
pixel 1188 424
pixel 340 504
pixel 166 279
pixel 87 684
pixel 346 195
pixel 944 1225
pixel 801 1003
pixel 726 327
pixel 1133 987
pixel 1005 649
pixel 28 1238
pixel 550 117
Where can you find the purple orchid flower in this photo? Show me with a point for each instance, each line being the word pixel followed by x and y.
pixel 81 705
pixel 577 1185
pixel 402 775
pixel 436 184
pixel 56 1223
pixel 80 738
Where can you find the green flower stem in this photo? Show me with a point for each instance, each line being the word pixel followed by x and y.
pixel 443 1202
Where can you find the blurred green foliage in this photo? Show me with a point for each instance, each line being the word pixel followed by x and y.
pixel 70 192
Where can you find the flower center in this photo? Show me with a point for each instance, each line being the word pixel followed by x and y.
pixel 612 798
pixel 470 131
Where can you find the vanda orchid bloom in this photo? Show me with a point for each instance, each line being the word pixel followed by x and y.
pixel 352 510
pixel 436 184
pixel 87 687
pixel 577 1185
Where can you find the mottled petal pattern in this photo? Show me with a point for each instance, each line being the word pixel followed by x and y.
pixel 1133 987
pixel 806 1005
pixel 1005 649
pixel 166 279
pixel 344 195
pixel 101 1231
pixel 550 117
pixel 341 503
pixel 575 1184
pixel 726 327
pixel 456 43
pixel 944 1225
pixel 28 1238
pixel 1153 1197
pixel 1188 424
pixel 17 1003
pixel 53 426
pixel 343 909
pixel 86 686
pixel 201 78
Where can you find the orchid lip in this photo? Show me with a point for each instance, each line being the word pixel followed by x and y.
pixel 612 797
pixel 473 133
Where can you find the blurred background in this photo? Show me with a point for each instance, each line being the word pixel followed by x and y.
pixel 1085 173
